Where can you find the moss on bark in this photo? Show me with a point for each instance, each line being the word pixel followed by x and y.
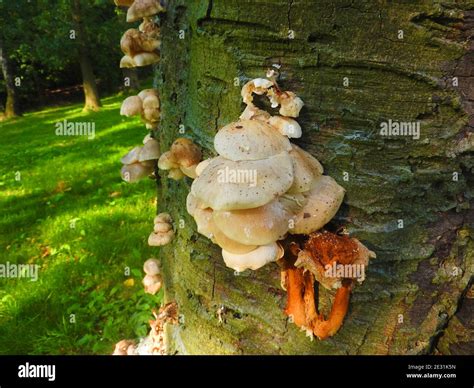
pixel 410 301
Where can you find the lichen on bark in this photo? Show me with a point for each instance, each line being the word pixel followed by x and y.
pixel 411 302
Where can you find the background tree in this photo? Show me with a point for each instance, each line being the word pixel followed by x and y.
pixel 355 65
pixel 60 44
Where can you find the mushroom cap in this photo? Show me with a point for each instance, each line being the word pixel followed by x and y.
pixel 290 104
pixel 145 59
pixel 150 28
pixel 159 239
pixel 151 267
pixel 189 171
pixel 207 227
pixel 143 8
pixel 136 171
pixel 131 106
pixel 127 62
pixel 323 202
pixel 185 152
pixel 132 156
pixel 257 226
pixel 249 140
pixel 152 283
pixel 192 203
pixel 201 166
pixel 150 151
pixel 306 169
pixel 163 218
pixel 148 92
pixel 162 227
pixel 134 42
pixel 228 185
pixel 251 112
pixel 176 174
pixel 167 161
pixel 254 259
pixel 286 126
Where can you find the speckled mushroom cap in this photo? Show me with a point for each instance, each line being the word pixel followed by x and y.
pixel 274 176
pixel 258 226
pixel 323 202
pixel 306 169
pixel 249 140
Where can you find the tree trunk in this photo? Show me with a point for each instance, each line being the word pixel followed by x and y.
pixel 91 93
pixel 355 65
pixel 11 105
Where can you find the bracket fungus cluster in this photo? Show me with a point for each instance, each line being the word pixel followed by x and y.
pixel 163 231
pixel 140 162
pixel 152 280
pixel 146 105
pixel 141 46
pixel 182 159
pixel 260 190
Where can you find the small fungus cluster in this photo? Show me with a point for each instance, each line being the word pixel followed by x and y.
pixel 141 47
pixel 163 231
pixel 152 280
pixel 182 159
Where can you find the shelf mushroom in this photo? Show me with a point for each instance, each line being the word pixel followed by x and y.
pixel 140 162
pixel 146 105
pixel 139 49
pixel 163 231
pixel 152 280
pixel 182 159
pixel 144 8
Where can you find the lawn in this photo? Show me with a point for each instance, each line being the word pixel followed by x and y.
pixel 64 207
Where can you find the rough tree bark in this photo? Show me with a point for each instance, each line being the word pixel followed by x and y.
pixel 11 105
pixel 404 61
pixel 91 93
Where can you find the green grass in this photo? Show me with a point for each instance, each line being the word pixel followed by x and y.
pixel 63 179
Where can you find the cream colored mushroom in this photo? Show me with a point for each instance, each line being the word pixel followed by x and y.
pixel 306 169
pixel 163 231
pixel 201 166
pixel 152 283
pixel 144 8
pixel 132 156
pixel 249 140
pixel 257 226
pixel 150 28
pixel 251 112
pixel 181 159
pixel 136 171
pixel 323 202
pixel 131 106
pixel 254 259
pixel 152 267
pixel 134 42
pixel 290 104
pixel 286 126
pixel 228 185
pixel 150 151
